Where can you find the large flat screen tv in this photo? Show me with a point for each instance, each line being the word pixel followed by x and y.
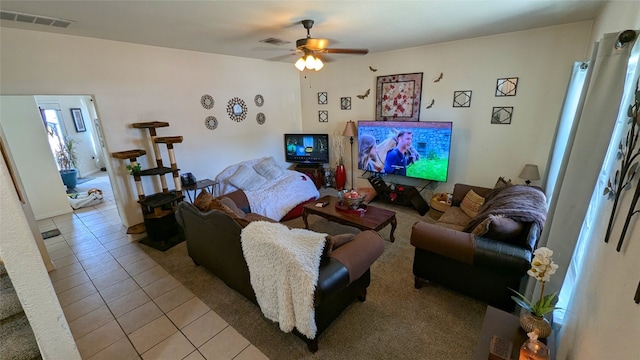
pixel 306 148
pixel 417 149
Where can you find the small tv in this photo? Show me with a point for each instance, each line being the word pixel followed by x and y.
pixel 416 149
pixel 306 148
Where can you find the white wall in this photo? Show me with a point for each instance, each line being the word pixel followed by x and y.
pixel 481 152
pixel 604 321
pixel 19 252
pixel 132 83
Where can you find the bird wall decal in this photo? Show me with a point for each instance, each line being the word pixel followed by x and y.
pixel 365 94
pixel 439 78
pixel 372 69
pixel 433 102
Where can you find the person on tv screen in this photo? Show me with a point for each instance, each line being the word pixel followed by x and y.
pixel 368 158
pixel 396 162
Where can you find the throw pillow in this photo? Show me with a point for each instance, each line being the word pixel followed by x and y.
pixel 499 228
pixel 471 203
pixel 502 183
pixel 247 179
pixel 232 205
pixel 269 168
pixel 503 228
pixel 202 200
pixel 335 241
pixel 216 204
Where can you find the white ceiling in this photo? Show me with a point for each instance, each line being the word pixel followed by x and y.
pixel 236 27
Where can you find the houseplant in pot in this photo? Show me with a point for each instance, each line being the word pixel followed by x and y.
pixel 67 159
pixel 542 267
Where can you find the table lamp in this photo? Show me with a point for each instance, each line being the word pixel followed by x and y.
pixel 530 172
pixel 351 131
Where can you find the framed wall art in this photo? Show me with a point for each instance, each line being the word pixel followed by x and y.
pixel 462 98
pixel 502 115
pixel 506 86
pixel 345 103
pixel 323 116
pixel 76 114
pixel 398 97
pixel 322 98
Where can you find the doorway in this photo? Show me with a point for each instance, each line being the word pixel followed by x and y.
pixel 24 127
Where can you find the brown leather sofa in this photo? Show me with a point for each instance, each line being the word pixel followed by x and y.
pixel 484 266
pixel 213 241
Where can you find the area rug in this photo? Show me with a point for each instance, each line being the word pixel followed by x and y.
pixel 396 321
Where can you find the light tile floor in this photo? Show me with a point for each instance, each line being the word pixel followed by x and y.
pixel 119 303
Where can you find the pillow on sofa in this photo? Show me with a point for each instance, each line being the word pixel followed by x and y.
pixel 471 203
pixel 499 228
pixel 247 179
pixel 502 183
pixel 268 168
pixel 335 241
pixel 202 200
pixel 232 206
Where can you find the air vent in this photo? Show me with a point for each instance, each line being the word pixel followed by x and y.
pixel 34 19
pixel 274 41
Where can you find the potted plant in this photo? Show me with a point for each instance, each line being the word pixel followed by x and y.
pixel 67 159
pixel 542 267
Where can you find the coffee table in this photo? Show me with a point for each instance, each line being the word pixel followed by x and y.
pixel 374 218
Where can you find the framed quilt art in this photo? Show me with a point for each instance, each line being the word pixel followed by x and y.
pixel 398 97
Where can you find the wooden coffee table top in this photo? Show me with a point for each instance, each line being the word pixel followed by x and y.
pixel 374 218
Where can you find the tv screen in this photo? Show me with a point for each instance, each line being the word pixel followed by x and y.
pixel 306 148
pixel 417 149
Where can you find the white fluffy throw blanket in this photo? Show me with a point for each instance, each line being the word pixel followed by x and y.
pixel 281 195
pixel 283 266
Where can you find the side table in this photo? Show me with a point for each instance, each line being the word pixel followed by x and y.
pixel 210 185
pixel 507 326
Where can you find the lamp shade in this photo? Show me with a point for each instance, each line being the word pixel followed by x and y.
pixel 350 129
pixel 530 172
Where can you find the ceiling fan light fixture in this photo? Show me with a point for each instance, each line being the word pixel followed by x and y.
pixel 300 64
pixel 310 62
pixel 319 64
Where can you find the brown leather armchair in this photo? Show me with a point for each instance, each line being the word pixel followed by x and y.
pixel 213 241
pixel 483 267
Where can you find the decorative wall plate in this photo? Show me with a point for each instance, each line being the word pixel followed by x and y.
pixel 237 109
pixel 211 122
pixel 207 101
pixel 502 115
pixel 260 118
pixel 259 100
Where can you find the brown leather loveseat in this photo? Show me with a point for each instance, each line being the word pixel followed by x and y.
pixel 213 241
pixel 485 255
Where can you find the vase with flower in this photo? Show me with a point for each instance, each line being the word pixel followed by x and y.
pixel 542 267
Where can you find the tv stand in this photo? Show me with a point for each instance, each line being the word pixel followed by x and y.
pixel 404 195
pixel 314 171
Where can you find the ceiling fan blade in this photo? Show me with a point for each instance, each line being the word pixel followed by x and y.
pixel 323 57
pixel 346 51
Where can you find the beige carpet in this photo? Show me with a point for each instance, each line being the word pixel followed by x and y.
pixel 395 322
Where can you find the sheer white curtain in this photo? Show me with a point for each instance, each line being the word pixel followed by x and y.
pixel 576 191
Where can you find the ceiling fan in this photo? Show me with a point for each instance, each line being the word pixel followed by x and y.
pixel 313 50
